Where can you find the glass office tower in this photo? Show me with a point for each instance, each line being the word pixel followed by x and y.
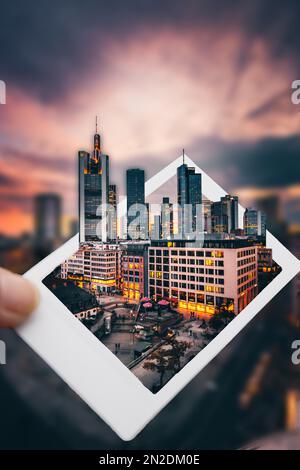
pixel 166 219
pixel 225 215
pixel 135 186
pixel 93 193
pixel 189 198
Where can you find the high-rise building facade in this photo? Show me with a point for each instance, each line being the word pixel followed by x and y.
pixel 183 185
pixel 135 186
pixel 219 218
pixel 206 205
pixel 134 270
pixel 254 223
pixel 112 213
pixel 189 198
pixel 224 215
pixel 167 219
pixel 203 280
pixel 156 228
pixel 231 203
pixel 195 196
pixel 93 193
pixel 97 267
pixel 47 217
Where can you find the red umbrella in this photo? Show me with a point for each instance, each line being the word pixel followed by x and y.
pixel 163 303
pixel 145 299
pixel 147 305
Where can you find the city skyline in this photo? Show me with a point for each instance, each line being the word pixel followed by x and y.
pixel 157 302
pixel 100 220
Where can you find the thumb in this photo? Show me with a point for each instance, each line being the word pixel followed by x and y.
pixel 18 298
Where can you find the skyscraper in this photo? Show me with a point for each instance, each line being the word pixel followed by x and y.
pixel 156 228
pixel 206 204
pixel 135 185
pixel 219 217
pixel 93 193
pixel 254 223
pixel 112 212
pixel 112 195
pixel 47 215
pixel 166 219
pixel 225 214
pixel 270 205
pixel 189 192
pixel 231 204
pixel 183 185
pixel 195 194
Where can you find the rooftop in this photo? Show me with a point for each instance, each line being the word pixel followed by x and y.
pixel 72 296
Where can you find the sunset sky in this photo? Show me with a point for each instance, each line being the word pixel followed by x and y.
pixel 212 77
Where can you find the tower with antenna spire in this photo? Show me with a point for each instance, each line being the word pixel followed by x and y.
pixel 97 143
pixel 93 192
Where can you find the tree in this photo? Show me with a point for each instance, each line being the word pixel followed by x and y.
pixel 167 358
pixel 220 319
pixel 159 361
pixel 177 351
pixel 216 322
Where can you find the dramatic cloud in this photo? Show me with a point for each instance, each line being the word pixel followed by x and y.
pixel 49 47
pixel 265 163
pixel 213 77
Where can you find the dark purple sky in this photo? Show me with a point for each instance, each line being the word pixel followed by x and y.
pixel 213 77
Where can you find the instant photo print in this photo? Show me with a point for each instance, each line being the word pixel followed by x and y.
pixel 128 347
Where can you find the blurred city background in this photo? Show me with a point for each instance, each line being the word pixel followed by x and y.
pixel 219 86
